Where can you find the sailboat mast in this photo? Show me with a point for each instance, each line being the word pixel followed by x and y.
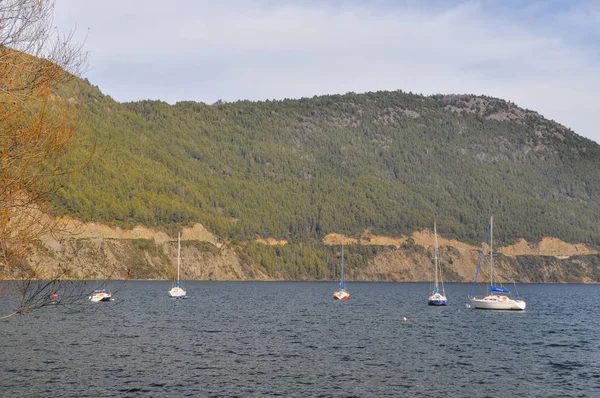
pixel 491 252
pixel 178 254
pixel 342 284
pixel 435 255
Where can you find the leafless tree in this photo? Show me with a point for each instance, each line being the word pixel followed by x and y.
pixel 36 128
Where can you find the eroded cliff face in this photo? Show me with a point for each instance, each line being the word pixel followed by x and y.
pixel 96 258
pixel 547 247
pixel 412 264
pixel 411 259
pixel 96 251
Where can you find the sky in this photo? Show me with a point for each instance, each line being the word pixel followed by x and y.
pixel 542 55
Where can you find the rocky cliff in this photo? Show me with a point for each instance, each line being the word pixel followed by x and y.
pixel 96 251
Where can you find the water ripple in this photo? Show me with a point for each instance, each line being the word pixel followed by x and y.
pixel 256 344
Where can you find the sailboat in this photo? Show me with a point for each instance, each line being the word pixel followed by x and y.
pixel 342 294
pixel 100 295
pixel 498 297
pixel 436 297
pixel 177 291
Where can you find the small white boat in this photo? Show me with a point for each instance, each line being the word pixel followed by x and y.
pixel 436 297
pixel 342 293
pixel 177 291
pixel 100 295
pixel 498 298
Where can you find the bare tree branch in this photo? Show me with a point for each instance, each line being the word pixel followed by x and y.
pixel 36 128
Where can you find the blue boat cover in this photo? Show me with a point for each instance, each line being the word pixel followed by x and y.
pixel 435 289
pixel 496 289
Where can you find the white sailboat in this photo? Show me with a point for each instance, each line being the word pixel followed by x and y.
pixel 342 293
pixel 177 291
pixel 437 297
pixel 498 298
pixel 100 295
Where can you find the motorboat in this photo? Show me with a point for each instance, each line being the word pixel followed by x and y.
pixel 100 295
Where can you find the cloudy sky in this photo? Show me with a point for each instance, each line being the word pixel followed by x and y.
pixel 542 55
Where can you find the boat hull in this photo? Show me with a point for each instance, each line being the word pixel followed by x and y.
pixel 437 302
pixel 497 302
pixel 177 293
pixel 341 295
pixel 97 298
pixel 437 299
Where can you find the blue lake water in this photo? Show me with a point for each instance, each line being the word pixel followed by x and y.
pixel 292 339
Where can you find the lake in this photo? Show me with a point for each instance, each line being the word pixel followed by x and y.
pixel 292 339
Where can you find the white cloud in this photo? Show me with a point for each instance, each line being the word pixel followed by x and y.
pixel 204 51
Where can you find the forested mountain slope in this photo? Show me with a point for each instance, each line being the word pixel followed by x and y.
pixel 300 169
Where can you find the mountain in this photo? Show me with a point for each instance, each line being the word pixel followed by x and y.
pixel 300 169
pixel 278 184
